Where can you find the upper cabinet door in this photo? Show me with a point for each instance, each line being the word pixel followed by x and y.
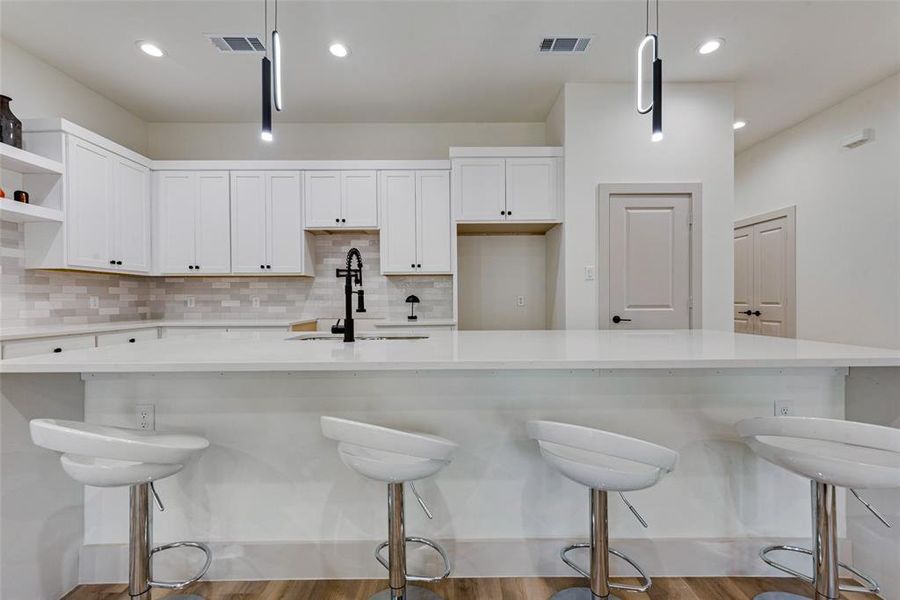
pixel 359 199
pixel 323 198
pixel 174 235
pixel 213 223
pixel 479 188
pixel 285 223
pixel 433 216
pixel 249 223
pixel 89 205
pixel 398 221
pixel 131 210
pixel 531 189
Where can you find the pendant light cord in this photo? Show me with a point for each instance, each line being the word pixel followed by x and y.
pixel 647 19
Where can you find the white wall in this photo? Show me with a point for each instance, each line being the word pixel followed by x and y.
pixel 556 251
pixel 848 215
pixel 606 141
pixel 227 141
pixel 39 90
pixel 493 271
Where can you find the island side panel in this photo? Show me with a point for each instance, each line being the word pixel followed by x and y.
pixel 873 396
pixel 276 501
pixel 41 508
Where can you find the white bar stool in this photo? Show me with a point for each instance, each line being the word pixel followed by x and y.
pixel 394 457
pixel 103 456
pixel 830 453
pixel 604 462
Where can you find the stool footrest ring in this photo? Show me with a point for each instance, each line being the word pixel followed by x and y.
pixel 177 585
pixel 871 586
pixel 426 542
pixel 646 581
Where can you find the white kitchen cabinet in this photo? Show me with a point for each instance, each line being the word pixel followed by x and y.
pixel 415 229
pixel 267 224
pixel 107 210
pixel 506 189
pixel 133 336
pixel 341 199
pixel 192 233
pixel 47 345
pixel 531 188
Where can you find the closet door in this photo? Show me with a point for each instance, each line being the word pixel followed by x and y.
pixel 770 277
pixel 131 215
pixel 248 222
pixel 398 221
pixel 213 222
pixel 89 206
pixel 433 221
pixel 743 280
pixel 285 234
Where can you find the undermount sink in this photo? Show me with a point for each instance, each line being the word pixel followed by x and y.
pixel 360 337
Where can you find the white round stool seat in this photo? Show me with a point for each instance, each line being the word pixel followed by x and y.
pixel 106 472
pixel 831 451
pixel 599 459
pixel 385 454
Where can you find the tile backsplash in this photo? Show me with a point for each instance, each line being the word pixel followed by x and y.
pixel 29 298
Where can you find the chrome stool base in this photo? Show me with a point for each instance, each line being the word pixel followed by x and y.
pixel 780 596
pixel 580 594
pixel 412 593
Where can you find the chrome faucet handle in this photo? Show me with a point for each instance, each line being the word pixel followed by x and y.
pixel 872 510
pixel 156 499
pixel 633 510
pixel 421 502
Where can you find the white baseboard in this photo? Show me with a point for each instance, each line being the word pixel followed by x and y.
pixel 673 557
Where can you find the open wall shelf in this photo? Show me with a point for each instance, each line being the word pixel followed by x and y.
pixel 22 161
pixel 10 210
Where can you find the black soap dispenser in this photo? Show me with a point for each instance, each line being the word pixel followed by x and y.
pixel 412 300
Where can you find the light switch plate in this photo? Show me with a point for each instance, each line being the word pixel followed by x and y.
pixel 189 301
pixel 520 300
pixel 254 302
pixel 590 273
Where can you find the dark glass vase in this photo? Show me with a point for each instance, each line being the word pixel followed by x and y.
pixel 10 125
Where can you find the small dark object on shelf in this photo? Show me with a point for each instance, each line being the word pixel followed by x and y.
pixel 20 196
pixel 10 125
pixel 412 300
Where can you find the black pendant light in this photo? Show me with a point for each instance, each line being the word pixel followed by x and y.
pixel 266 132
pixel 276 62
pixel 651 43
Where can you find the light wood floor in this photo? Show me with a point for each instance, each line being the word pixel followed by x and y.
pixel 673 588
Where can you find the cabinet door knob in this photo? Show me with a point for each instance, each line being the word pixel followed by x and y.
pixel 112 262
pixel 262 266
pixel 191 267
pixel 197 267
pixel 118 262
pixel 268 266
pixel 502 212
pixel 413 265
pixel 57 350
pixel 337 220
pixel 419 266
pixel 131 340
pixel 343 220
pixel 509 212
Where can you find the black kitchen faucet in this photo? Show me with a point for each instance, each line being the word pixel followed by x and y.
pixel 351 276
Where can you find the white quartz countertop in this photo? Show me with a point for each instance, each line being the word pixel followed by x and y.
pixel 457 350
pixel 22 333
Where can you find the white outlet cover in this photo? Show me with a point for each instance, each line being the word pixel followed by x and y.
pixel 189 301
pixel 520 300
pixel 589 273
pixel 146 417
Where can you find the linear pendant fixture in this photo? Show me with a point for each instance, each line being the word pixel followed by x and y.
pixel 266 129
pixel 276 62
pixel 648 51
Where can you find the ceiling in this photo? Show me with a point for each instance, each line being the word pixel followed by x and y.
pixel 454 61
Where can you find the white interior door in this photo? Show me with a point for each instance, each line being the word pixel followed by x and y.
pixel 398 221
pixel 88 206
pixel 743 280
pixel 770 255
pixel 531 189
pixel 649 265
pixel 131 210
pixel 285 234
pixel 248 222
pixel 323 198
pixel 479 189
pixel 359 195
pixel 213 218
pixel 433 221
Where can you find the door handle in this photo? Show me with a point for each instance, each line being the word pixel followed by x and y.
pixel 747 312
pixel 618 319
pixel 756 313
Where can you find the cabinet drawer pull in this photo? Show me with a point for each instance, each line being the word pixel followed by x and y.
pixel 131 340
pixel 57 350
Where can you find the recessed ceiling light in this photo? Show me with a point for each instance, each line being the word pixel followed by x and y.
pixel 338 50
pixel 151 49
pixel 710 46
pixel 739 124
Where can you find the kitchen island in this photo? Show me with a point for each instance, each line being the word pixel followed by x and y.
pixel 274 501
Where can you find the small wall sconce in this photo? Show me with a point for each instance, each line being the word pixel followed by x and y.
pixel 412 300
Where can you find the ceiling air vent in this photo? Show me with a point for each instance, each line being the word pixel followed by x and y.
pixel 565 45
pixel 236 42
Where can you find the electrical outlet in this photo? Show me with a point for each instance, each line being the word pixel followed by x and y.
pixel 254 301
pixel 784 408
pixel 589 273
pixel 189 301
pixel 520 300
pixel 94 301
pixel 146 417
